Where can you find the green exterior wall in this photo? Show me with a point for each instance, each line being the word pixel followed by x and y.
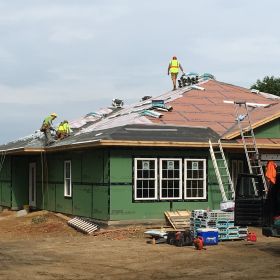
pixel 6 183
pixel 89 184
pixel 20 177
pixel 102 183
pixel 269 130
pixel 122 206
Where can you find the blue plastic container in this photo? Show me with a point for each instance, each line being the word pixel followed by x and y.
pixel 209 235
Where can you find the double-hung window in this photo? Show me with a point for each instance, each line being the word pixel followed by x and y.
pixel 145 178
pixel 67 179
pixel 195 179
pixel 170 178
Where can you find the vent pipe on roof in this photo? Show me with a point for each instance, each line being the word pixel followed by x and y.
pixel 117 103
pixel 253 90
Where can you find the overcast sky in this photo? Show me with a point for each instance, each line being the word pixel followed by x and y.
pixel 73 56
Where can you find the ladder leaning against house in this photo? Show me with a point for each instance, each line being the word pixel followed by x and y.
pixel 222 171
pixel 249 143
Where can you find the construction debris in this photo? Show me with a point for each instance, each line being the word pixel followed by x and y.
pixel 21 213
pixel 161 106
pixel 151 113
pixel 120 233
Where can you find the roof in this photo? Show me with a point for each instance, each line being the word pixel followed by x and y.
pixel 206 105
pixel 131 135
pixel 198 111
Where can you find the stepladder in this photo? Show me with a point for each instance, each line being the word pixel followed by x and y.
pixel 249 143
pixel 222 171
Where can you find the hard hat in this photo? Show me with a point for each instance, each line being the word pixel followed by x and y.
pixel 53 114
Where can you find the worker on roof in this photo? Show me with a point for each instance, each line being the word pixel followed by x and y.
pixel 47 127
pixel 173 68
pixel 63 130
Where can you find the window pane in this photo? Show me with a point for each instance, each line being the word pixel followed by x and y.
pixel 139 193
pixel 67 187
pixel 139 174
pixel 170 174
pixel 151 193
pixel 67 169
pixel 200 192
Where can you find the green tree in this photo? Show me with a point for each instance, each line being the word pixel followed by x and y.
pixel 268 84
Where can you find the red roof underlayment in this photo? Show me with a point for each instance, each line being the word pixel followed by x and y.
pixel 207 107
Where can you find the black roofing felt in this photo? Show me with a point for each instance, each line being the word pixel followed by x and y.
pixel 145 133
pixel 127 133
pixel 26 143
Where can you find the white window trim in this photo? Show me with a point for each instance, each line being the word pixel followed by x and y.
pixel 65 185
pixel 155 179
pixel 204 181
pixel 180 178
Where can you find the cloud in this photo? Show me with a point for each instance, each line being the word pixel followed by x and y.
pixel 79 52
pixel 66 35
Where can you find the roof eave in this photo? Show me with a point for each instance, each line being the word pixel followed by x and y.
pixel 121 143
pixel 128 143
pixel 135 143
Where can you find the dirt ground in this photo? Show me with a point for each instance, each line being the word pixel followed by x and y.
pixel 42 246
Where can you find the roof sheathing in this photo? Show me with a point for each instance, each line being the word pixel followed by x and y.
pixel 131 113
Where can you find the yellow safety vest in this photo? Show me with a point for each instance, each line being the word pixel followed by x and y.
pixel 60 128
pixel 66 128
pixel 174 66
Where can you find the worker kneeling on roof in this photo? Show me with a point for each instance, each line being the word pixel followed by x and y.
pixel 173 68
pixel 47 127
pixel 63 130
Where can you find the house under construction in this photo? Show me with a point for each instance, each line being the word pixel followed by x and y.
pixel 132 163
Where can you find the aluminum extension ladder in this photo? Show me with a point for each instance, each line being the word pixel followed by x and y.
pixel 249 143
pixel 222 171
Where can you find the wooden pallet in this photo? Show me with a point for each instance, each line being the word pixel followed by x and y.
pixel 178 219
